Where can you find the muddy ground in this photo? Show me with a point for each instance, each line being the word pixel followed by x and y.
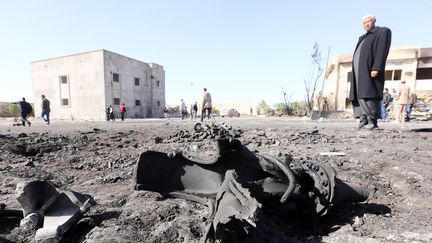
pixel 98 158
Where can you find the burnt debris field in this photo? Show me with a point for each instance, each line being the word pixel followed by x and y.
pixel 100 160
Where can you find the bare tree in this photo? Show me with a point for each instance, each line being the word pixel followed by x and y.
pixel 311 82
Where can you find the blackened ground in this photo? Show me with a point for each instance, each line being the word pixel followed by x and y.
pixel 97 158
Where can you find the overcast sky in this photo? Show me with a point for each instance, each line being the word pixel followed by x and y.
pixel 240 50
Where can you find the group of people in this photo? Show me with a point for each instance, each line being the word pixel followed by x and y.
pixel 26 109
pixel 109 111
pixel 206 110
pixel 399 104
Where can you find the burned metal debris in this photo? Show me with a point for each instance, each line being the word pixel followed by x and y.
pixel 243 188
pixel 50 211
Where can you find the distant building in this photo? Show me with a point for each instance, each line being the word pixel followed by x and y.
pixel 414 65
pixel 81 86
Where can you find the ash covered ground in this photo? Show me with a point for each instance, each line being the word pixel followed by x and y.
pixel 98 158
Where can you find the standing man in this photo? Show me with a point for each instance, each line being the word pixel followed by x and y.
pixel 384 104
pixel 45 110
pixel 183 110
pixel 206 105
pixel 403 96
pixel 111 113
pixel 368 67
pixel 410 106
pixel 122 111
pixel 195 109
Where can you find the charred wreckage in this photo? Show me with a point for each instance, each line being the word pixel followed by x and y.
pixel 243 190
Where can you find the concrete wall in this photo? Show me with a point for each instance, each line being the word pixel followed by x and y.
pixel 158 90
pixel 84 88
pixel 150 95
pixel 90 87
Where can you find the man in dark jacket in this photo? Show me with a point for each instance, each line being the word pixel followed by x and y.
pixel 26 109
pixel 45 110
pixel 368 67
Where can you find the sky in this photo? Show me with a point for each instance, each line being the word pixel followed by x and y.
pixel 242 51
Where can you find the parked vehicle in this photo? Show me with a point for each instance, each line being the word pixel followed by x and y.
pixel 230 113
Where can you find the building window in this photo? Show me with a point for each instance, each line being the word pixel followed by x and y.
pixel 137 81
pixel 65 102
pixel 137 102
pixel 393 74
pixel 116 101
pixel 158 83
pixel 116 77
pixel 158 103
pixel 424 73
pixel 63 79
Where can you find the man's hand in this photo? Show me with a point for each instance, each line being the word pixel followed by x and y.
pixel 374 74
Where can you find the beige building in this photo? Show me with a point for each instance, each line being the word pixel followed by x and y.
pixel 81 86
pixel 413 64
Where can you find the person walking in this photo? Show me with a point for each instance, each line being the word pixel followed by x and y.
pixel 403 96
pixel 195 110
pixel 45 110
pixel 183 110
pixel 368 67
pixel 410 106
pixel 384 104
pixel 206 105
pixel 166 112
pixel 107 113
pixel 26 109
pixel 111 113
pixel 122 111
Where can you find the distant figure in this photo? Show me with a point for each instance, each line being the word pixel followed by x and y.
pixel 410 106
pixel 111 113
pixel 206 105
pixel 194 110
pixel 45 110
pixel 122 111
pixel 403 96
pixel 368 67
pixel 384 104
pixel 166 113
pixel 183 110
pixel 251 111
pixel 26 109
pixel 107 113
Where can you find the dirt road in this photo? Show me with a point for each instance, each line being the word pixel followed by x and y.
pixel 97 158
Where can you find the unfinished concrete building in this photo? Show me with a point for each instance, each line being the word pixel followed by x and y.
pixel 81 86
pixel 414 65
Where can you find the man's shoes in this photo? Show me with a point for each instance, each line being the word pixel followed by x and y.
pixel 370 127
pixel 361 125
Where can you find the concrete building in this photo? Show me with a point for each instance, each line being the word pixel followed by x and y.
pixel 412 64
pixel 81 86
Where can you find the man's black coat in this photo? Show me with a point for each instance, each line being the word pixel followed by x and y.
pixel 373 57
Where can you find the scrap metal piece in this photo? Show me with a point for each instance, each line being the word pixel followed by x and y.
pixel 59 210
pixel 243 185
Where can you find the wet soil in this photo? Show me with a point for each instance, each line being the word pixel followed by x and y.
pixel 98 158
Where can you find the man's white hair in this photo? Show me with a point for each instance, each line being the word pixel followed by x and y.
pixel 369 16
